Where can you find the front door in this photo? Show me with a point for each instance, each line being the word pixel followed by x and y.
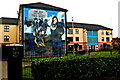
pixel 92 47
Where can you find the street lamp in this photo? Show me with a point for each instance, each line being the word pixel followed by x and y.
pixel 73 35
pixel 89 50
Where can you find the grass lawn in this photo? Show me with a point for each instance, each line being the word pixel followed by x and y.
pixel 27 75
pixel 108 53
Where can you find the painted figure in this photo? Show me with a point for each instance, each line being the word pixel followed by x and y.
pixel 56 36
pixel 39 39
pixel 29 37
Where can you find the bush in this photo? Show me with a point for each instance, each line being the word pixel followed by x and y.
pixel 75 68
pixel 118 51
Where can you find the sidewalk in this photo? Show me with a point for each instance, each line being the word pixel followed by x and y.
pixel 91 53
pixel 3 70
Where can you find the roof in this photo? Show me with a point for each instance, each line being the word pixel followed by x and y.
pixel 117 39
pixel 12 21
pixel 40 5
pixel 87 26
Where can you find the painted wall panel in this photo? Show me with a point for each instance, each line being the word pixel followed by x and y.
pixel 43 32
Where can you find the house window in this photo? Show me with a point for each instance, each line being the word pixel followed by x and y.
pixel 77 38
pixel 101 46
pixel 107 39
pixel 70 39
pixel 80 46
pixel 70 31
pixel 107 32
pixel 102 32
pixel 76 31
pixel 6 38
pixel 70 48
pixel 6 28
pixel 102 38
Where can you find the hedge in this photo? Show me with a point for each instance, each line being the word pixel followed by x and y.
pixel 75 68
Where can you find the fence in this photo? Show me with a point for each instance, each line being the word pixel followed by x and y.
pixel 27 60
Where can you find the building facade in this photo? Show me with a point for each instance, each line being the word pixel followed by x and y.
pixel 77 39
pixel 116 43
pixel 105 39
pixel 42 29
pixel 9 30
pixel 83 37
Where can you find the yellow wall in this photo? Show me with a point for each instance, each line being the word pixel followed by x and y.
pixel 82 35
pixel 13 33
pixel 85 35
pixel 20 24
pixel 100 35
pixel 1 33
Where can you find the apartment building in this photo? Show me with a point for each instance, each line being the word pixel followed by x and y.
pixel 82 36
pixel 9 30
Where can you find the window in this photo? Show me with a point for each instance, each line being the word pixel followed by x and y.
pixel 6 38
pixel 6 28
pixel 76 46
pixel 107 32
pixel 77 38
pixel 70 47
pixel 101 46
pixel 76 31
pixel 70 31
pixel 102 32
pixel 70 39
pixel 102 38
pixel 80 46
pixel 107 39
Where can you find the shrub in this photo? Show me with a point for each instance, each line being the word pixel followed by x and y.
pixel 75 68
pixel 118 51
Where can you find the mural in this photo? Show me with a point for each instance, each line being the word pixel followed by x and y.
pixel 44 32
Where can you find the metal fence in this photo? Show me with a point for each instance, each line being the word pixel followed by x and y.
pixel 27 60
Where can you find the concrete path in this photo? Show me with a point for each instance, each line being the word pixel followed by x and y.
pixel 4 70
pixel 91 53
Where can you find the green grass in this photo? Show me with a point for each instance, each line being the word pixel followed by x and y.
pixel 26 73
pixel 108 53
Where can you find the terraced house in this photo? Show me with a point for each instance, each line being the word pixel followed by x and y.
pixel 82 37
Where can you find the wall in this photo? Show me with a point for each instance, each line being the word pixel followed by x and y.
pixel 100 35
pixel 13 33
pixel 82 38
pixel 104 44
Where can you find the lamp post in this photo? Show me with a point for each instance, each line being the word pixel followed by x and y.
pixel 89 50
pixel 111 50
pixel 73 35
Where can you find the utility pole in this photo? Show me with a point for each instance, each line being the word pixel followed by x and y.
pixel 73 35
